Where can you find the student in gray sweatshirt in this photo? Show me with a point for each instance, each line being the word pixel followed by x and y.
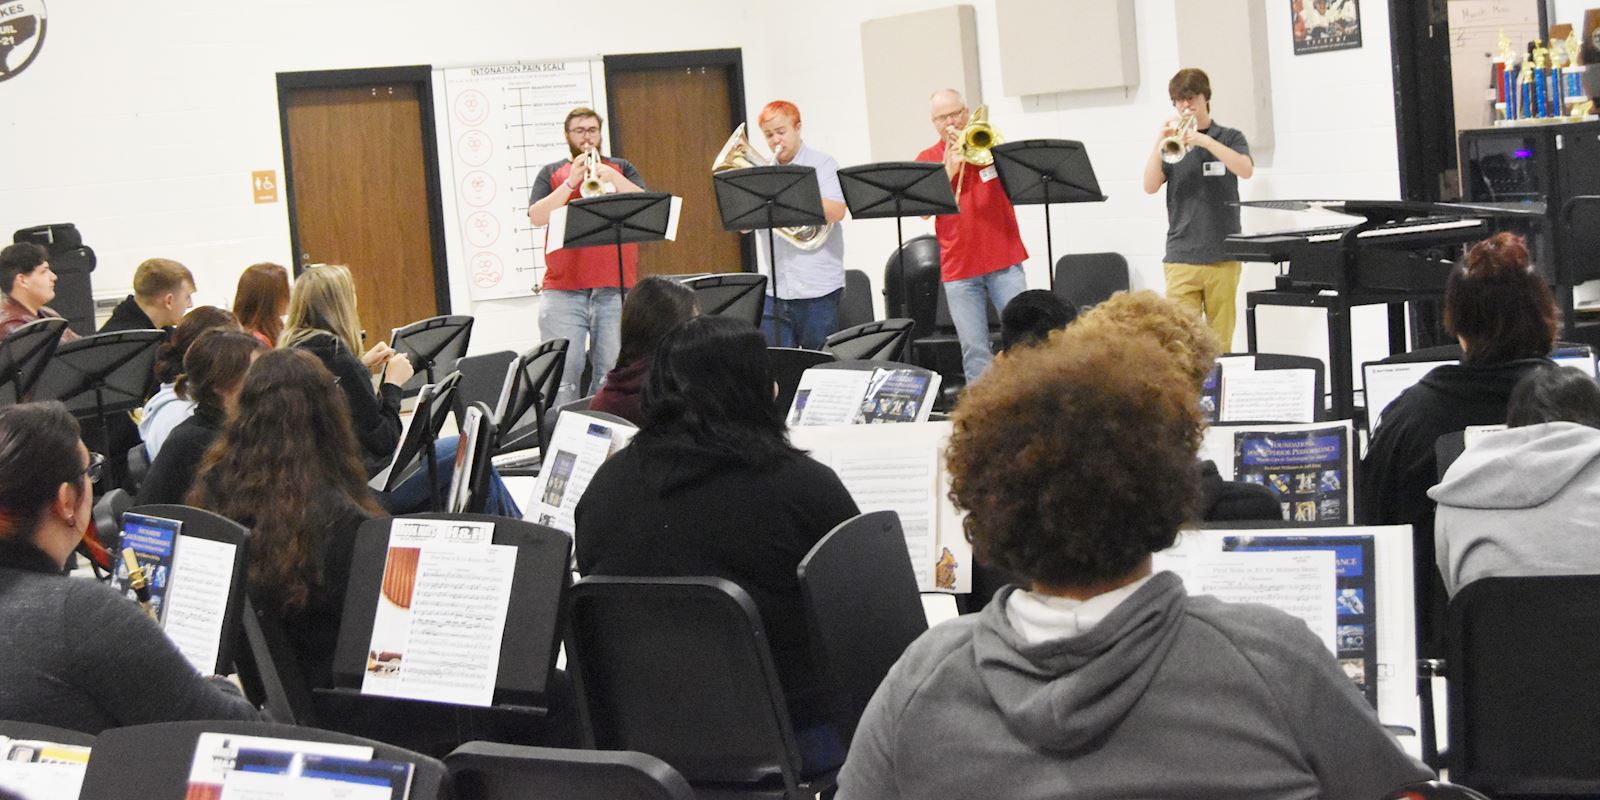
pixel 1096 678
pixel 1522 501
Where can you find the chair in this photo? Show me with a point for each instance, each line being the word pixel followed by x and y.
pixel 1446 449
pixel 271 673
pixel 788 364
pixel 483 379
pixel 884 340
pixel 23 355
pixel 108 511
pixel 1274 361
pixel 138 468
pixel 679 668
pixel 492 771
pixel 45 733
pixel 855 305
pixel 913 290
pixel 522 408
pixel 1086 279
pixel 863 607
pixel 433 345
pixel 740 295
pixel 547 426
pixel 154 760
pixel 201 524
pixel 1525 685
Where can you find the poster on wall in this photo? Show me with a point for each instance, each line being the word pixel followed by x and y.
pixel 1323 25
pixel 22 24
pixel 505 124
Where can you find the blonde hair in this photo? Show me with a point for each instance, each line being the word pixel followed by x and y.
pixel 158 276
pixel 323 301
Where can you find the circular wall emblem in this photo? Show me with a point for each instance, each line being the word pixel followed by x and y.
pixel 21 35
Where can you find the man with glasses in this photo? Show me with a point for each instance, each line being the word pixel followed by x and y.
pixel 581 301
pixel 980 249
pixel 1200 188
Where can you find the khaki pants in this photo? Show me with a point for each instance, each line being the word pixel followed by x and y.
pixel 1209 290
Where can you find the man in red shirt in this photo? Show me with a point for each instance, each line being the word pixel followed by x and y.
pixel 980 249
pixel 29 283
pixel 580 299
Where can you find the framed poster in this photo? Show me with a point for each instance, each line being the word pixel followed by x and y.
pixel 1323 25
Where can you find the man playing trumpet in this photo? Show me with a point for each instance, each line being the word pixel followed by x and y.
pixel 1201 163
pixel 980 249
pixel 581 301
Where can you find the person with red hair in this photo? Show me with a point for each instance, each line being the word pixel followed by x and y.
pixel 808 283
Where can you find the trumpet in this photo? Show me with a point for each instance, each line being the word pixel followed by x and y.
pixel 1173 148
pixel 592 186
pixel 738 153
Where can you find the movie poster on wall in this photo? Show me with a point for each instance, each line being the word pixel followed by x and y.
pixel 506 123
pixel 1324 25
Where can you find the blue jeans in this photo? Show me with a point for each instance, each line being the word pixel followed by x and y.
pixel 970 313
pixel 591 322
pixel 803 323
pixel 412 495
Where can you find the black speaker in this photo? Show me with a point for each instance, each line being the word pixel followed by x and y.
pixel 72 262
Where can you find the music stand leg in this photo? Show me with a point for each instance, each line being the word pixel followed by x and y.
pixel 622 275
pixel 435 497
pixel 1049 249
pixel 1339 358
pixel 772 257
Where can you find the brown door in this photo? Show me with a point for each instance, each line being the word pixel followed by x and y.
pixel 670 123
pixel 357 170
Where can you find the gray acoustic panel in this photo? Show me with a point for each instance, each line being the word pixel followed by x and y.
pixel 1228 39
pixel 1051 46
pixel 905 59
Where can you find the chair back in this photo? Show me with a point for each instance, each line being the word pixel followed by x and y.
pixel 45 733
pixel 493 771
pixel 1086 279
pixel 855 305
pixel 732 294
pixel 863 608
pixel 547 426
pixel 23 355
pixel 154 760
pixel 523 406
pixel 201 524
pixel 880 340
pixel 911 283
pixel 788 364
pixel 483 380
pixel 679 668
pixel 1525 685
pixel 1446 449
pixel 269 669
pixel 433 345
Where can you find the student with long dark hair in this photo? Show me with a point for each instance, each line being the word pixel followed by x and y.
pixel 287 466
pixel 711 487
pixel 167 408
pixel 213 375
pixel 655 306
pixel 74 653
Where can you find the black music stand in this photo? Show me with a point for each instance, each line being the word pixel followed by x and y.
pixel 434 345
pixel 1045 172
pixel 898 189
pixel 101 375
pixel 23 355
pixel 777 196
pixel 435 403
pixel 619 219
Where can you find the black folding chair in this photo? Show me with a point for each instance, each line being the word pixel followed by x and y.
pixel 45 733
pixel 23 355
pixel 433 345
pixel 863 608
pixel 679 668
pixel 788 364
pixel 269 669
pixel 492 771
pixel 881 340
pixel 740 295
pixel 1087 279
pixel 855 305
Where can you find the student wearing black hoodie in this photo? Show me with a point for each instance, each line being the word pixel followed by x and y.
pixel 711 487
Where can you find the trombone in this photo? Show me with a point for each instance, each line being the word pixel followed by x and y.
pixel 977 142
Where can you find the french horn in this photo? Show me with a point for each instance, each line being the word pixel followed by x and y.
pixel 738 153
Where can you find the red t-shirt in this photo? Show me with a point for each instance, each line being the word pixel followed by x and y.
pixel 983 237
pixel 586 267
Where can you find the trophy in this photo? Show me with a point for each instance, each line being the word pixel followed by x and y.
pixel 1525 90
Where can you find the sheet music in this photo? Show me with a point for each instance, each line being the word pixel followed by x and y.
pixel 829 396
pixel 1276 395
pixel 673 215
pixel 579 445
pixel 202 574
pixel 241 785
pixel 1301 584
pixel 556 231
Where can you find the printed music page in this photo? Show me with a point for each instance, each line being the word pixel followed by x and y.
pixel 1298 583
pixel 579 445
pixel 1275 395
pixel 202 574
pixel 829 397
pixel 903 480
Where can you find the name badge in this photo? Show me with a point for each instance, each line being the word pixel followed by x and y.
pixel 1211 169
pixel 988 173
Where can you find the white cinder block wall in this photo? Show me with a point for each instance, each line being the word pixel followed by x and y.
pixel 147 141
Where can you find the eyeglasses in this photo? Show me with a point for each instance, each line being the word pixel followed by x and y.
pixel 954 116
pixel 590 131
pixel 97 464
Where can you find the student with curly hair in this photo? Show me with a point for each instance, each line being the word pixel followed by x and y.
pixel 1095 676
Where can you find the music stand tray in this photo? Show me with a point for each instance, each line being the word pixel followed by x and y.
pixel 100 375
pixel 23 356
pixel 766 198
pixel 617 219
pixel 1045 172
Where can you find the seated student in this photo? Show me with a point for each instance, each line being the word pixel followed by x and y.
pixel 710 486
pixel 655 306
pixel 213 374
pixel 167 409
pixel 262 300
pixel 28 283
pixel 1523 501
pixel 1097 678
pixel 163 291
pixel 75 653
pixel 1031 316
pixel 287 466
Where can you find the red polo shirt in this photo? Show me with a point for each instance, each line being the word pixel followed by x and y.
pixel 983 238
pixel 586 267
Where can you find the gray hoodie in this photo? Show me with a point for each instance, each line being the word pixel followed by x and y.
pixel 1170 696
pixel 1521 502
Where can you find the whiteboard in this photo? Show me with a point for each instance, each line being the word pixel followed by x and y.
pixel 1475 28
pixel 505 123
